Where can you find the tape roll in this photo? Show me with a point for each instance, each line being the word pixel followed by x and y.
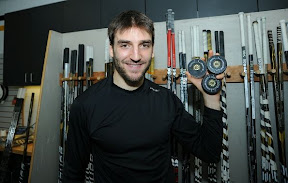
pixel 3 92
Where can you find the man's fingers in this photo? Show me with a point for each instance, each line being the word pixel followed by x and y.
pixel 210 53
pixel 191 78
pixel 220 76
pixel 188 74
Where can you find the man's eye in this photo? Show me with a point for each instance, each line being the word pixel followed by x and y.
pixel 124 45
pixel 146 45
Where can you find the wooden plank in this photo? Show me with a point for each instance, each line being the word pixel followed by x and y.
pixel 19 149
pixel 234 74
pixel 44 166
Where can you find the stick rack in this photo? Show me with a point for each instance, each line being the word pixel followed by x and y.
pixel 234 74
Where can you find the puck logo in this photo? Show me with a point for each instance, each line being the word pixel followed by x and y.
pixel 216 64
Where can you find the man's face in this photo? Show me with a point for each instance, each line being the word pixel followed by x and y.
pixel 132 52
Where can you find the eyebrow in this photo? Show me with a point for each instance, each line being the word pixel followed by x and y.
pixel 123 41
pixel 146 41
pixel 127 41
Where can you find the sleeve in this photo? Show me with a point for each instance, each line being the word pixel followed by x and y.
pixel 204 141
pixel 77 151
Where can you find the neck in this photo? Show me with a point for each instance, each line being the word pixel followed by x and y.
pixel 120 82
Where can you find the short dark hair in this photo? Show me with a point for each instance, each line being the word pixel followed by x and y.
pixel 128 19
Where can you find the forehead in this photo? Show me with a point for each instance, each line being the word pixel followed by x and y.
pixel 133 33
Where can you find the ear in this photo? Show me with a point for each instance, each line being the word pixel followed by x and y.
pixel 111 51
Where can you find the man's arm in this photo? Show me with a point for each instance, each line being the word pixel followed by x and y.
pixel 202 140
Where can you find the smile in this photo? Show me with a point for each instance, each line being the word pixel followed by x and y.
pixel 134 65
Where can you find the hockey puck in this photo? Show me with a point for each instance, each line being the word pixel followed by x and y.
pixel 211 84
pixel 216 64
pixel 197 68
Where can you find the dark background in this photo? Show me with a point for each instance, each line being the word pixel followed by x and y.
pixel 26 31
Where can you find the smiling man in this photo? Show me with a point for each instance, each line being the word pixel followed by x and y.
pixel 126 121
pixel 132 57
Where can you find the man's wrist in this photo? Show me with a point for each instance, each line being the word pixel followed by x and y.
pixel 212 102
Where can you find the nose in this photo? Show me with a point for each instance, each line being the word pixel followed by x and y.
pixel 135 55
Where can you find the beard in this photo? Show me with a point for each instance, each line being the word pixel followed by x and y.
pixel 131 81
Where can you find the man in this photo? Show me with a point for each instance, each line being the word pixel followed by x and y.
pixel 126 121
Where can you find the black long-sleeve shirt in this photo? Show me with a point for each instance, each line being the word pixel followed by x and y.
pixel 128 134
